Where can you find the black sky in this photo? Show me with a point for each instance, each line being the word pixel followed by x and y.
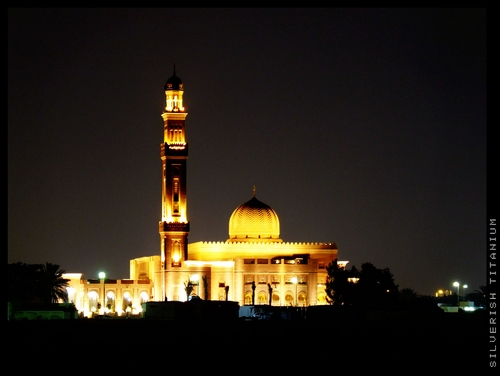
pixel 365 127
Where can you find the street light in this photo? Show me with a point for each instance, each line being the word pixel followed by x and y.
pixel 463 290
pixel 295 281
pixel 102 276
pixel 457 285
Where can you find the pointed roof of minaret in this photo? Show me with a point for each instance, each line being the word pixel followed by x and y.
pixel 174 83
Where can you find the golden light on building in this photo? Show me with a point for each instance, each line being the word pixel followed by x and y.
pixel 342 264
pixel 251 265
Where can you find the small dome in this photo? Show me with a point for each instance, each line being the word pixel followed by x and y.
pixel 174 83
pixel 254 221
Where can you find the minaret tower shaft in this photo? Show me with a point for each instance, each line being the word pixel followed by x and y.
pixel 174 224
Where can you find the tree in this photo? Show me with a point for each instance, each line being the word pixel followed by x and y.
pixel 22 282
pixel 368 288
pixel 340 284
pixel 189 289
pixel 205 286
pixel 37 283
pixel 52 284
pixel 482 290
pixel 375 288
pixel 478 296
pixel 253 292
pixel 407 296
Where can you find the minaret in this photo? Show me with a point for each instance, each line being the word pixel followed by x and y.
pixel 174 224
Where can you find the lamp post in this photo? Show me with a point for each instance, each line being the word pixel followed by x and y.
pixel 457 285
pixel 463 290
pixel 102 276
pixel 295 281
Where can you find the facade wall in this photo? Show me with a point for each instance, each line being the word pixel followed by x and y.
pixel 122 296
pixel 266 265
pixel 271 268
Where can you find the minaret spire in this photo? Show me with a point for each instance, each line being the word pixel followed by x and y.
pixel 174 223
pixel 254 190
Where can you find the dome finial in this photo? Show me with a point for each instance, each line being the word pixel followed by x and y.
pixel 254 190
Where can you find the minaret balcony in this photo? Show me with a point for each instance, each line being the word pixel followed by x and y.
pixel 174 226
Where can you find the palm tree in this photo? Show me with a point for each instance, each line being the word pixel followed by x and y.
pixel 52 285
pixel 189 289
pixel 22 280
pixel 478 296
pixel 205 286
pixel 482 290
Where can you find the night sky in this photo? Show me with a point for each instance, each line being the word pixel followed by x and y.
pixel 364 127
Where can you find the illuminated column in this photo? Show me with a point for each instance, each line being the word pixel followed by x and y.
pixel 457 285
pixel 295 281
pixel 174 224
pixel 312 289
pixel 102 276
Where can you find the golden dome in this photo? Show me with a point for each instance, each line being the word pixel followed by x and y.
pixel 254 221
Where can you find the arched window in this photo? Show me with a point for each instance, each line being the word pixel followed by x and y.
pixel 109 306
pixel 248 298
pixel 144 297
pixel 276 299
pixel 127 302
pixel 289 300
pixel 71 294
pixel 322 298
pixel 93 300
pixel 302 298
pixel 262 298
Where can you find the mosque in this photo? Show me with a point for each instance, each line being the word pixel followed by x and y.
pixel 253 266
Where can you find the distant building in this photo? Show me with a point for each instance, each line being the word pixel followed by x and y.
pixel 440 293
pixel 253 266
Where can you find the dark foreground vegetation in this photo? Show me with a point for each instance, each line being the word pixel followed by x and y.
pixel 376 341
pixel 369 326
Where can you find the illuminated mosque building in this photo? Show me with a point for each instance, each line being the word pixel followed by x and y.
pixel 253 266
